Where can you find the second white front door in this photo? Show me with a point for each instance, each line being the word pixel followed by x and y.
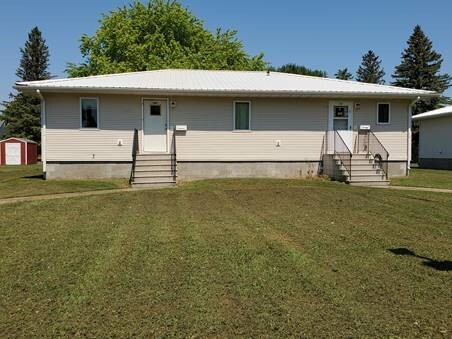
pixel 341 120
pixel 155 122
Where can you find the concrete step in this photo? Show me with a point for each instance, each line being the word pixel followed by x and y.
pixel 154 179
pixel 154 156
pixel 153 174
pixel 152 167
pixel 153 162
pixel 375 177
pixel 356 161
pixel 362 156
pixel 362 170
pixel 153 185
pixel 369 183
pixel 365 172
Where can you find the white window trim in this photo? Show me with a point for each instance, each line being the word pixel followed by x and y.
pixel 249 116
pixel 389 113
pixel 97 111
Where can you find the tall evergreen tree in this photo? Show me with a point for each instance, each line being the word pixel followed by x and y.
pixel 298 69
pixel 22 112
pixel 370 70
pixel 420 69
pixel 343 74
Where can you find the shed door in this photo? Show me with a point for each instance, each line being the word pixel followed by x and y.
pixel 12 151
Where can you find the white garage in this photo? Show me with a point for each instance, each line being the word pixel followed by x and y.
pixel 435 138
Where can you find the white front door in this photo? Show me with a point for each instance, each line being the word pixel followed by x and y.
pixel 340 120
pixel 155 126
pixel 12 151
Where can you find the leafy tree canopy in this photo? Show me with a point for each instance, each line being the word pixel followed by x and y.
pixel 420 69
pixel 343 74
pixel 370 70
pixel 22 112
pixel 298 69
pixel 157 35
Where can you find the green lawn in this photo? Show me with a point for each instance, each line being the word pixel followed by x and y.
pixel 20 181
pixel 425 178
pixel 229 258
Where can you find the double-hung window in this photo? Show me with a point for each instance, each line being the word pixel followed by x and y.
pixel 89 113
pixel 242 115
pixel 383 113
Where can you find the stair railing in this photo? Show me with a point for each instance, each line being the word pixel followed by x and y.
pixel 369 143
pixel 134 153
pixel 173 155
pixel 344 153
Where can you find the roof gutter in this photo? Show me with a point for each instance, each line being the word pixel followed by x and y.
pixel 235 93
pixel 410 136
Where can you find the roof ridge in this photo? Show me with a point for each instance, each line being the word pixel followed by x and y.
pixel 350 81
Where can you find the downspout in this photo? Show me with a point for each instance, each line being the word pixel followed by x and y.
pixel 409 139
pixel 43 133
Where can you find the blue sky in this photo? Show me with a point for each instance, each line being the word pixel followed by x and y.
pixel 320 34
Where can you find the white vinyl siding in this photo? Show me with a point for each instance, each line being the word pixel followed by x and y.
pixel 435 138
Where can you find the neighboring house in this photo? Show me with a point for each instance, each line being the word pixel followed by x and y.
pixel 2 128
pixel 208 124
pixel 435 138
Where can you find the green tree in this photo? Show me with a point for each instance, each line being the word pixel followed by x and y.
pixel 420 69
pixel 298 69
pixel 157 35
pixel 370 70
pixel 22 112
pixel 343 74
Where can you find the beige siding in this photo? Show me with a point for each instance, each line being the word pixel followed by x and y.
pixel 394 136
pixel 298 124
pixel 66 141
pixel 435 140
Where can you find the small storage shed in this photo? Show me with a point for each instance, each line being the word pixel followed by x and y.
pixel 18 151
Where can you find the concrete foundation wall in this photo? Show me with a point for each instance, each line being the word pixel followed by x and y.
pixel 85 170
pixel 204 170
pixel 397 169
pixel 330 168
pixel 436 163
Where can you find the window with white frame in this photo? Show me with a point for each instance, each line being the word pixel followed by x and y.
pixel 383 113
pixel 89 113
pixel 242 115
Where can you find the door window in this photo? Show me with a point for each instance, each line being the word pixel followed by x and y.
pixel 340 119
pixel 156 110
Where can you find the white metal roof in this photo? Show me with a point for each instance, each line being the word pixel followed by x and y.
pixel 436 113
pixel 204 82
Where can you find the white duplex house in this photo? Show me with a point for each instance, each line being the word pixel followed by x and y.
pixel 155 126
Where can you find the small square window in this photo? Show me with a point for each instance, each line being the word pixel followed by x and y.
pixel 155 110
pixel 242 116
pixel 341 111
pixel 89 112
pixel 384 112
